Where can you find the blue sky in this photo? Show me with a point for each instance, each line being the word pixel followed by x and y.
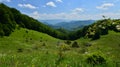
pixel 67 9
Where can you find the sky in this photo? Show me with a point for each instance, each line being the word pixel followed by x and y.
pixel 67 9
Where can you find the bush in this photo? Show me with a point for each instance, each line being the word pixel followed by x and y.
pixel 60 57
pixel 67 42
pixel 26 31
pixel 19 50
pixel 75 44
pixel 96 59
pixel 96 36
pixel 64 47
pixel 44 44
pixel 87 44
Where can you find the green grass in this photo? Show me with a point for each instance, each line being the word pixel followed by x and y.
pixel 35 49
pixel 21 39
pixel 109 45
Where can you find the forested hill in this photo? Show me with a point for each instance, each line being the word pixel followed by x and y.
pixel 11 18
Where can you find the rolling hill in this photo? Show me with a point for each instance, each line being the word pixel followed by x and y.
pixel 32 48
pixel 24 38
pixel 25 42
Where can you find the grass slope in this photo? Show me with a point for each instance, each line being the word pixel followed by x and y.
pixel 28 48
pixel 24 39
pixel 109 45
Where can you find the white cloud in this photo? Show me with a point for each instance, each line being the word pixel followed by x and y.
pixel 51 4
pixel 27 6
pixel 59 1
pixel 105 6
pixel 35 15
pixel 43 16
pixel 78 10
pixel 5 0
pixel 72 16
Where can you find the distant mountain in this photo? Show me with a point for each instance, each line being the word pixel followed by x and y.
pixel 72 25
pixel 53 22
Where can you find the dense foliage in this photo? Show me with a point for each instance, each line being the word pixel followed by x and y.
pixel 100 27
pixel 95 59
pixel 7 23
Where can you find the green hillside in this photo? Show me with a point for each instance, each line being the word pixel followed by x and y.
pixel 28 48
pixel 107 44
pixel 25 39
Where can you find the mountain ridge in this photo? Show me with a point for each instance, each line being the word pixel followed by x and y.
pixel 69 25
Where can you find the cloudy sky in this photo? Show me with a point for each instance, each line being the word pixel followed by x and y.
pixel 67 9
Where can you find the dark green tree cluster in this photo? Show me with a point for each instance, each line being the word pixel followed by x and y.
pixel 79 33
pixel 7 23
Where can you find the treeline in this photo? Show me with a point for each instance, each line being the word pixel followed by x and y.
pixel 10 18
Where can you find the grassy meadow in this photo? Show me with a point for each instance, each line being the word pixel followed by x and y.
pixel 28 48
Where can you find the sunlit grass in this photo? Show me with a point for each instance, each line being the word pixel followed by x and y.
pixel 35 49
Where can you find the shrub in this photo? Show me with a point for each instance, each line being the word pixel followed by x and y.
pixel 96 59
pixel 87 44
pixel 64 47
pixel 30 38
pixel 26 31
pixel 67 42
pixel 41 41
pixel 44 44
pixel 19 50
pixel 119 45
pixel 96 36
pixel 60 55
pixel 75 44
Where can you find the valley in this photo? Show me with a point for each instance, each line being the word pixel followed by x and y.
pixel 68 25
pixel 26 42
